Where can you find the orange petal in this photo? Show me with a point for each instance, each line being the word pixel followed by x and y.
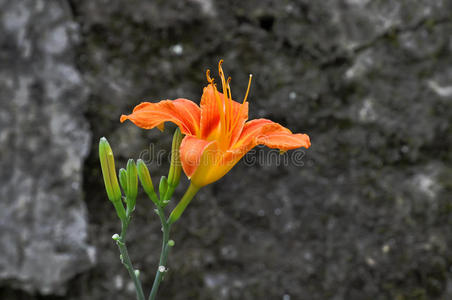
pixel 284 141
pixel 271 134
pixel 204 162
pixel 184 113
pixel 214 164
pixel 211 115
pixel 239 117
pixel 194 152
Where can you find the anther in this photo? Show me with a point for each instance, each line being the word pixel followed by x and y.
pixel 209 79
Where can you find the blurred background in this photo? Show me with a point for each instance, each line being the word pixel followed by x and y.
pixel 367 216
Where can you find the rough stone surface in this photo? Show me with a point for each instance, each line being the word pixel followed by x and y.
pixel 44 139
pixel 368 215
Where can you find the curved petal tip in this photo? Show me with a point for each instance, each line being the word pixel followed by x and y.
pixel 307 141
pixel 123 118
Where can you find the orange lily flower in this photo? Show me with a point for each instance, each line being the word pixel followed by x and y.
pixel 217 134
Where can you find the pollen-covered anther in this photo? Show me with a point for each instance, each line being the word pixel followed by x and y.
pixel 209 79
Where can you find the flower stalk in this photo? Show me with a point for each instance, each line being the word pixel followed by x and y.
pixel 166 245
pixel 125 259
pixel 183 203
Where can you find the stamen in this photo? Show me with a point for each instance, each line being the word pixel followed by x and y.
pixel 248 88
pixel 220 108
pixel 229 105
pixel 236 119
pixel 226 102
pixel 209 79
pixel 227 84
pixel 220 71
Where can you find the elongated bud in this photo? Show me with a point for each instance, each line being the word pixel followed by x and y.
pixel 146 180
pixel 145 177
pixel 123 179
pixel 107 163
pixel 132 183
pixel 176 166
pixel 163 186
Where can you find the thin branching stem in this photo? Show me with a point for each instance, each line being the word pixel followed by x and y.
pixel 125 259
pixel 161 269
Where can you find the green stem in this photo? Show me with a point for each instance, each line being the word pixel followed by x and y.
pixel 153 196
pixel 121 242
pixel 166 227
pixel 183 203
pixel 168 195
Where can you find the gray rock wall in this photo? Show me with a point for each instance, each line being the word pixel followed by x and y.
pixel 367 215
pixel 44 140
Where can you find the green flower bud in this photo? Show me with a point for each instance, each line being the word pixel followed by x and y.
pixel 107 163
pixel 145 178
pixel 163 186
pixel 132 183
pixel 176 166
pixel 123 179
